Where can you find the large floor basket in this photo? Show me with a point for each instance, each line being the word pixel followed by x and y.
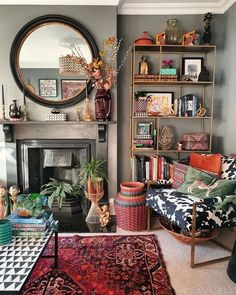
pixel 130 207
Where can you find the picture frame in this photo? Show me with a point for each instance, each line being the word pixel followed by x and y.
pixel 48 87
pixel 160 103
pixel 144 129
pixel 72 87
pixel 192 67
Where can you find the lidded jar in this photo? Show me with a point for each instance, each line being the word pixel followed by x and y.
pixel 173 33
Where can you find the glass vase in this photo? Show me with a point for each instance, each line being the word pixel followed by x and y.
pixel 173 33
pixel 103 105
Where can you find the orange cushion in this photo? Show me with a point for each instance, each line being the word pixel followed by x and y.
pixel 211 163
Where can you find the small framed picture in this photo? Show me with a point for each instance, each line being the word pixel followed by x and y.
pixel 71 88
pixel 192 67
pixel 160 103
pixel 144 129
pixel 48 87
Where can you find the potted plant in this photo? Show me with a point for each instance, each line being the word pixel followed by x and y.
pixel 92 174
pixel 227 202
pixel 60 190
pixel 30 205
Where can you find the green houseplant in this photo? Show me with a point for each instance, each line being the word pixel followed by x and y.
pixel 60 190
pixel 92 174
pixel 31 205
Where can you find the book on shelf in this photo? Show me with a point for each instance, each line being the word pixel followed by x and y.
pixel 187 105
pixel 154 168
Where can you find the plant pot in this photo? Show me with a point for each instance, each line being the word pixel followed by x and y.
pixel 94 187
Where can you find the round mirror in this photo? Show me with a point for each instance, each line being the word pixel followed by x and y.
pixel 41 64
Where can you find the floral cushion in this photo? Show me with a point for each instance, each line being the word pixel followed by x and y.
pixel 177 207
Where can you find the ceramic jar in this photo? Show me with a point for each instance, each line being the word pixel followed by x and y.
pixel 173 33
pixel 15 112
pixel 103 105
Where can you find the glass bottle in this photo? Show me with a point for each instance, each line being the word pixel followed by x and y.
pixel 173 33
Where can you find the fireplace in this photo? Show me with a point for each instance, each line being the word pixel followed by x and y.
pixel 42 159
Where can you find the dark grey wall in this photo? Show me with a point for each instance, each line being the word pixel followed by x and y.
pixel 100 21
pixel 129 29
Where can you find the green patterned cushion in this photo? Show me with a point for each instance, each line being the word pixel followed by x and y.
pixel 195 179
pixel 220 188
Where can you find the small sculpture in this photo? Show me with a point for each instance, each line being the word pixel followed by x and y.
pixel 206 38
pixel 77 114
pixel 3 202
pixel 14 191
pixel 204 75
pixel 186 78
pixel 104 215
pixel 88 117
pixel 201 111
pixel 179 146
pixel 143 66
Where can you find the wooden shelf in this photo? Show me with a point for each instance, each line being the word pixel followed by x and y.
pixel 183 151
pixel 56 123
pixel 175 48
pixel 163 83
pixel 171 118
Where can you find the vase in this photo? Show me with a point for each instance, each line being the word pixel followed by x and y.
pixel 207 35
pixel 166 140
pixel 103 105
pixel 15 112
pixel 173 33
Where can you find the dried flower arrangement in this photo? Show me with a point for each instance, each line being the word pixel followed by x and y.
pixel 101 70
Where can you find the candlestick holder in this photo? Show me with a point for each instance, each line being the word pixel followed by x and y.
pixel 25 113
pixel 3 117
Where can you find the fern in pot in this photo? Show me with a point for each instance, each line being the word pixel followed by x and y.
pixel 60 191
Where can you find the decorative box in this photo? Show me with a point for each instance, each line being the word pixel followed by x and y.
pixel 196 145
pixel 55 117
pixel 195 137
pixel 195 141
pixel 169 71
pixel 140 105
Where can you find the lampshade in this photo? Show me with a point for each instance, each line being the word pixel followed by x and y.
pixel 70 66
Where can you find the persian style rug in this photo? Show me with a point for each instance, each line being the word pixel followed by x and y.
pixel 102 265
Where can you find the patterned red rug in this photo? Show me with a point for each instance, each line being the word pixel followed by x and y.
pixel 102 265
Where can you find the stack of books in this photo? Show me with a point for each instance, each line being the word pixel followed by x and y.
pixel 29 227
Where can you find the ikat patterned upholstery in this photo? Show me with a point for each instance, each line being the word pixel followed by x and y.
pixel 177 207
pixel 228 168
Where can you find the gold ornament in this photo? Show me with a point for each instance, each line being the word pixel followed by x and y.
pixel 201 111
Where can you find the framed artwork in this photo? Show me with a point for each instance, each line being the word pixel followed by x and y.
pixel 160 103
pixel 144 129
pixel 192 67
pixel 71 88
pixel 48 87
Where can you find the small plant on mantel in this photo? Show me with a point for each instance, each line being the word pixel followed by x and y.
pixel 92 174
pixel 60 190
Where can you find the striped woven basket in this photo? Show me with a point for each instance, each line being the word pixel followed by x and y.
pixel 130 207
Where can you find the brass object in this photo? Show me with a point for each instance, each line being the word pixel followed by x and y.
pixel 88 116
pixel 25 113
pixel 3 118
pixel 77 114
pixel 201 111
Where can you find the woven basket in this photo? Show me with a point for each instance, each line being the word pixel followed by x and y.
pixel 130 207
pixel 69 66
pixel 175 231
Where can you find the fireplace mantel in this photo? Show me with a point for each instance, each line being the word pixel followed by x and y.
pixel 9 125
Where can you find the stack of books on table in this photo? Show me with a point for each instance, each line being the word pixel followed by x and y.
pixel 29 227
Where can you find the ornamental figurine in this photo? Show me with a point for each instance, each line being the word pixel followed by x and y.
pixel 104 216
pixel 14 191
pixel 143 66
pixel 204 75
pixel 206 38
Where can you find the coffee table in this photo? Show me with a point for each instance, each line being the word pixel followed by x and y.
pixel 18 259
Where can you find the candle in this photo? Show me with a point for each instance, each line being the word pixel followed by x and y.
pixel 24 96
pixel 3 101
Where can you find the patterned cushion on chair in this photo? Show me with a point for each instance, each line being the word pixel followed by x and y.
pixel 228 168
pixel 177 207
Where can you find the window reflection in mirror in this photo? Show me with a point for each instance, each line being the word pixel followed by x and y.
pixel 39 62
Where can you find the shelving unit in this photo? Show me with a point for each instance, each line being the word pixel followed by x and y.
pixel 204 90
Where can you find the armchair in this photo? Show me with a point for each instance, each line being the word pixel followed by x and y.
pixel 193 214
